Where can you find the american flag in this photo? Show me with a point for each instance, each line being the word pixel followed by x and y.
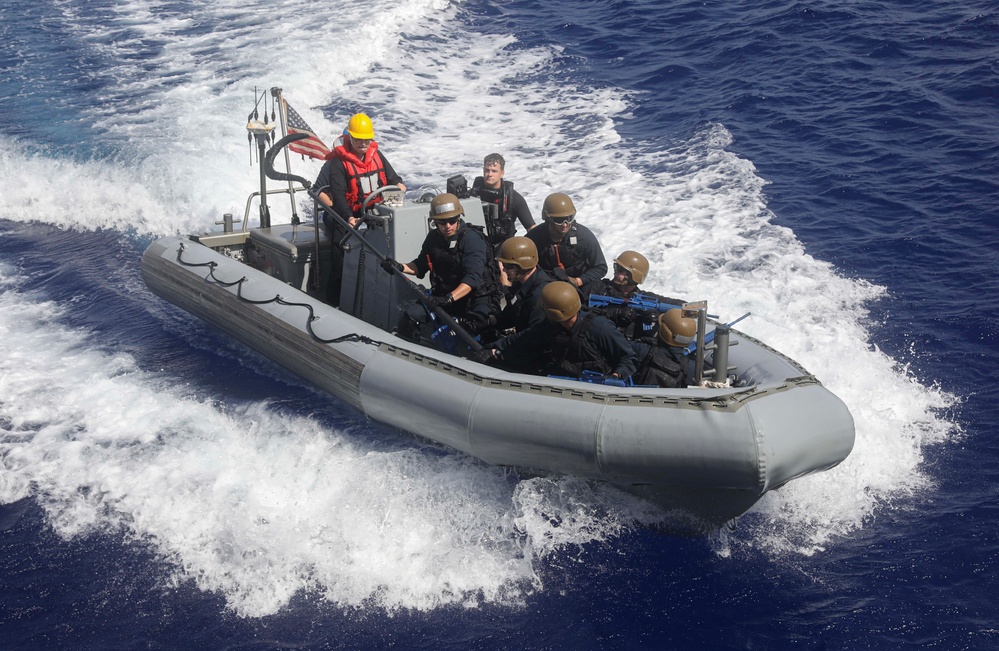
pixel 312 146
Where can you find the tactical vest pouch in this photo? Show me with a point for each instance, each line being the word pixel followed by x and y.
pixel 664 370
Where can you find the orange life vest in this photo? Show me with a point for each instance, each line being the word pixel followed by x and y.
pixel 363 177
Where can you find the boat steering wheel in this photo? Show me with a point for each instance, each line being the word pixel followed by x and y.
pixel 368 200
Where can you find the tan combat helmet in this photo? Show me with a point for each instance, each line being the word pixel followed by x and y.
pixel 520 251
pixel 560 300
pixel 445 206
pixel 676 329
pixel 558 205
pixel 636 264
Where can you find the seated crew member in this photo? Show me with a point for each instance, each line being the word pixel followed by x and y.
pixel 457 256
pixel 354 170
pixel 523 282
pixel 662 360
pixel 567 251
pixel 630 269
pixel 571 339
pixel 511 206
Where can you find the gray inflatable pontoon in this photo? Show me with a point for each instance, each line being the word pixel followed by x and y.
pixel 710 453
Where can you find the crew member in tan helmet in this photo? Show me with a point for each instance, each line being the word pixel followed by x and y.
pixel 630 269
pixel 663 361
pixel 567 250
pixel 570 341
pixel 455 254
pixel 522 281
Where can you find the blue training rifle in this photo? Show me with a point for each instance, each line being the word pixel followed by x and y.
pixel 638 302
pixel 593 377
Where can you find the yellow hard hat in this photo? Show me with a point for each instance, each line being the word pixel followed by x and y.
pixel 360 127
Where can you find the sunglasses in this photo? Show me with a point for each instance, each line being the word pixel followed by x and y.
pixel 451 221
pixel 510 267
pixel 561 220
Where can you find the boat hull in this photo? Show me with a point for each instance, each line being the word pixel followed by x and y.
pixel 710 453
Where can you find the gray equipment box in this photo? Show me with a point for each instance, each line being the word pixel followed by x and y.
pixel 287 252
pixel 367 291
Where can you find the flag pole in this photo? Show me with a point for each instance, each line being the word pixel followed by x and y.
pixel 317 262
pixel 276 93
pixel 261 131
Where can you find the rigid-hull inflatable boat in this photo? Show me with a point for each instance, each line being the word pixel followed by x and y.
pixel 708 453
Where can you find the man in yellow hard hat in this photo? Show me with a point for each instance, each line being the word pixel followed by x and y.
pixel 355 169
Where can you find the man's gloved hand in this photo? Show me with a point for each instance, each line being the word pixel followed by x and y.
pixel 391 266
pixel 434 302
pixel 620 314
pixel 485 355
pixel 477 322
pixel 560 274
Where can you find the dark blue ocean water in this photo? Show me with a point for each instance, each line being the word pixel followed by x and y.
pixel 832 166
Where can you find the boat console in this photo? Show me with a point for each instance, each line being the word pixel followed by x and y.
pixel 394 228
pixel 287 252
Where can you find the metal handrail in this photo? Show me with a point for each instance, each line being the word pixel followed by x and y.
pixel 249 202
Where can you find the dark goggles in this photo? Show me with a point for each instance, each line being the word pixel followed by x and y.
pixel 450 221
pixel 562 220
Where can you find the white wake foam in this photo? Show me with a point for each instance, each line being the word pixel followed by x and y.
pixel 258 504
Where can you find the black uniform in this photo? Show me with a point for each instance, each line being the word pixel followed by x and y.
pixel 511 208
pixel 523 304
pixel 577 254
pixel 464 258
pixel 660 365
pixel 592 344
